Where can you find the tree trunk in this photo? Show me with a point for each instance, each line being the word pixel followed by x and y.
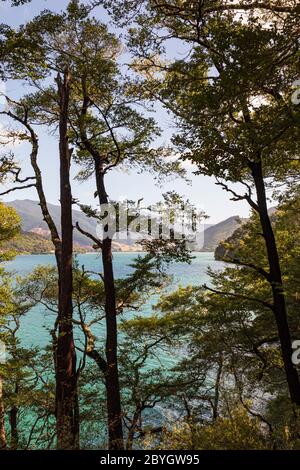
pixel 66 378
pixel 115 431
pixel 3 442
pixel 13 421
pixel 217 387
pixel 42 198
pixel 275 280
pixel 132 427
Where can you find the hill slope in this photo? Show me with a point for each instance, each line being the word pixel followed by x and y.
pixel 221 251
pixel 27 242
pixel 36 236
pixel 32 220
pixel 215 234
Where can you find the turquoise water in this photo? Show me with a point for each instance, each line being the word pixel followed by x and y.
pixel 38 321
pixel 35 326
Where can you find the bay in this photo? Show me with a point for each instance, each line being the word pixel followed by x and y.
pixel 35 326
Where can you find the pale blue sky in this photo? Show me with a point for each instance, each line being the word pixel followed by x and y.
pixel 202 190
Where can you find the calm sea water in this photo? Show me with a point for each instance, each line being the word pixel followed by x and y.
pixel 35 327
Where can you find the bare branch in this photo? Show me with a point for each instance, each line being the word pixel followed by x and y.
pixel 90 236
pixel 258 269
pixel 239 197
pixel 240 296
pixel 16 188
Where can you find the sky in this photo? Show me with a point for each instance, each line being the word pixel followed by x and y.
pixel 201 190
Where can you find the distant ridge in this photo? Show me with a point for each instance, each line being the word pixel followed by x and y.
pixel 215 234
pixel 34 226
pixel 28 243
pixel 221 251
pixel 32 222
pixel 34 244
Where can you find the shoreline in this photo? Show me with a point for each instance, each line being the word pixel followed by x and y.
pixel 95 253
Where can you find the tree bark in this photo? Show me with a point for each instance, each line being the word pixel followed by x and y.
pixel 3 443
pixel 217 387
pixel 66 376
pixel 114 413
pixel 132 428
pixel 275 279
pixel 42 198
pixel 13 421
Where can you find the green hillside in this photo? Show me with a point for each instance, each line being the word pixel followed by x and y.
pixel 32 243
pixel 215 234
pixel 37 233
pixel 32 219
pixel 28 242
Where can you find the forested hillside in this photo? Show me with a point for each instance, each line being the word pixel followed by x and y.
pixel 32 222
pixel 32 219
pixel 220 232
pixel 27 242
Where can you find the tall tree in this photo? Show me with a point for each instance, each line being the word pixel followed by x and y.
pixel 65 357
pixel 233 105
pixel 9 227
pixel 66 373
pixel 105 128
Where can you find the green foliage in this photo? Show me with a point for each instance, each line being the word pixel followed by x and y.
pixel 10 222
pixel 229 381
pixel 105 121
pixel 28 243
pixel 9 227
pixel 15 3
pixel 235 432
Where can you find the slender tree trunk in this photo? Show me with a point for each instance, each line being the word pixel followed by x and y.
pixel 66 377
pixel 276 284
pixel 114 412
pixel 132 428
pixel 56 240
pixel 67 409
pixel 13 421
pixel 217 388
pixel 42 198
pixel 3 443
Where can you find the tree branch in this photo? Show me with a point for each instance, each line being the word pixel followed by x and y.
pixel 90 236
pixel 16 188
pixel 240 296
